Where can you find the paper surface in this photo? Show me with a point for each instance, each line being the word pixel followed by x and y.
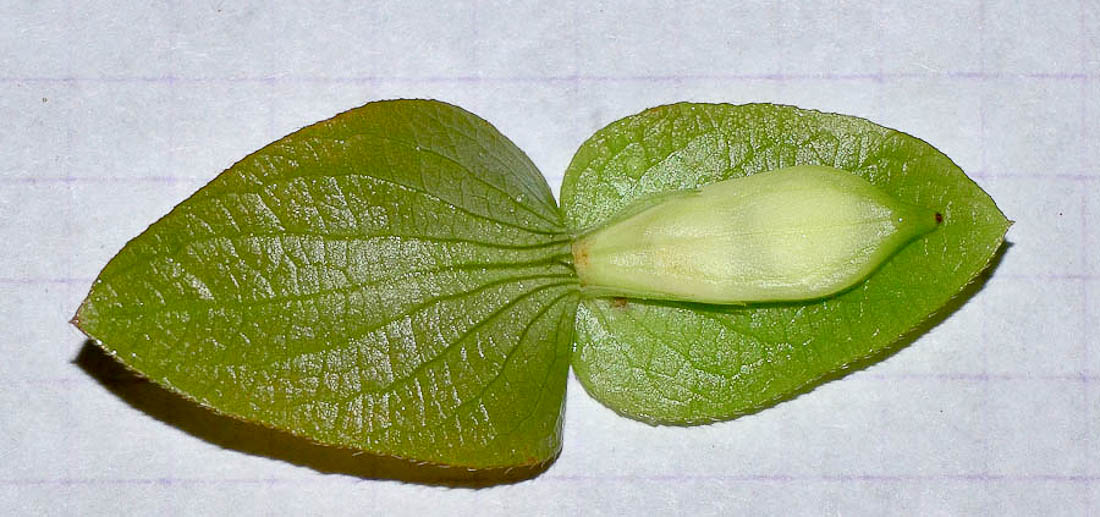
pixel 114 113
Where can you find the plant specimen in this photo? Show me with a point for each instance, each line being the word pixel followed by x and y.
pixel 400 280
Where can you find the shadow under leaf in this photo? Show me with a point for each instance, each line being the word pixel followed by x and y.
pixel 906 339
pixel 255 439
pixel 934 319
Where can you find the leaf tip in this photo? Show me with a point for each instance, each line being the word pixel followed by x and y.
pixel 86 317
pixel 84 314
pixel 78 320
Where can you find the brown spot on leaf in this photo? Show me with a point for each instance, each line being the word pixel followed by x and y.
pixel 618 302
pixel 580 255
pixel 939 218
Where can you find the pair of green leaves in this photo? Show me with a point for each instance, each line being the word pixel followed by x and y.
pixel 399 280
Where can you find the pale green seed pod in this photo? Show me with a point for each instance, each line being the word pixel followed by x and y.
pixel 797 233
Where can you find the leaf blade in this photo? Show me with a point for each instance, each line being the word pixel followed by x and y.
pixel 365 282
pixel 691 364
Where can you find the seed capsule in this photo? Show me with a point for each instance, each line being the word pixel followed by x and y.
pixel 797 233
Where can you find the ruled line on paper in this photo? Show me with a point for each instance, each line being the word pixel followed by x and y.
pixel 581 478
pixel 37 180
pixel 567 78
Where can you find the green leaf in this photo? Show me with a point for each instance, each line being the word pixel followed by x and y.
pixel 395 279
pixel 684 363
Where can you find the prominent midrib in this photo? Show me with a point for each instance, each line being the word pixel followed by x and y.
pixel 197 304
pixel 366 239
